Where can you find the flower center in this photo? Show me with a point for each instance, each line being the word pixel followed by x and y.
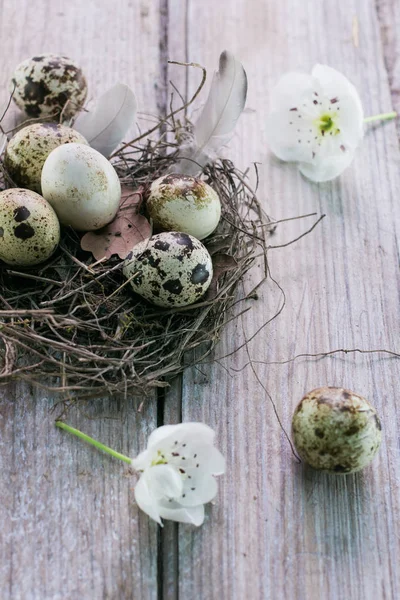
pixel 326 124
pixel 159 459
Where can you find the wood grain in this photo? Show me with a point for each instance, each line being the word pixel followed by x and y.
pixel 70 527
pixel 388 13
pixel 278 530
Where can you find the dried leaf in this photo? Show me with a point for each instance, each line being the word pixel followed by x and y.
pixel 121 235
pixel 221 264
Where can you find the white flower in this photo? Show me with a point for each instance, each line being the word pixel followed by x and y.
pixel 316 121
pixel 177 473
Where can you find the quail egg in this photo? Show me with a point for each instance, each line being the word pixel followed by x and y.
pixel 29 228
pixel 82 186
pixel 44 84
pixel 184 203
pixel 171 269
pixel 28 149
pixel 336 430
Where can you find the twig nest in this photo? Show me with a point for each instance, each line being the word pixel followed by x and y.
pixel 184 203
pixel 336 430
pixel 171 269
pixel 29 228
pixel 44 84
pixel 82 186
pixel 27 151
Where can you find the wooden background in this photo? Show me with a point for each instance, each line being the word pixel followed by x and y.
pixel 69 525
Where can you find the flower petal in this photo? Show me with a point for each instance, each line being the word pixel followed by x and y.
pixel 183 514
pixel 327 168
pixel 159 434
pixel 164 481
pixel 199 490
pixel 163 435
pixel 290 89
pixel 291 138
pixel 145 499
pixel 198 459
pixel 142 461
pixel 351 121
pixel 335 84
pixel 215 462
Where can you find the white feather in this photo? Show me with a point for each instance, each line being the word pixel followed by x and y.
pixel 217 120
pixel 114 114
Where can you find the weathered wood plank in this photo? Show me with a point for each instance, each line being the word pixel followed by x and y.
pixel 389 20
pixel 280 530
pixel 70 527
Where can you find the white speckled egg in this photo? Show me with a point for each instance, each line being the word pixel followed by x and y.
pixel 184 203
pixel 27 151
pixel 45 83
pixel 336 430
pixel 171 269
pixel 82 186
pixel 29 228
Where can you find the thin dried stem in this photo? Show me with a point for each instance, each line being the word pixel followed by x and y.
pixel 173 113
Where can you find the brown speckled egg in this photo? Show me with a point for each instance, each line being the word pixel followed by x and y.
pixel 29 228
pixel 28 149
pixel 336 430
pixel 171 269
pixel 45 83
pixel 184 203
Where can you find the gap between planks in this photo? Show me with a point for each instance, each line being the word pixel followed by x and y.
pixel 169 410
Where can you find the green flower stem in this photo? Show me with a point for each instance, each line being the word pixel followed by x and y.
pixel 93 442
pixel 382 117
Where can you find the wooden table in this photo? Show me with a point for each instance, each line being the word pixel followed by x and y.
pixel 69 526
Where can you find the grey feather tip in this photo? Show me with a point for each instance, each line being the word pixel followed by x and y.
pixel 223 61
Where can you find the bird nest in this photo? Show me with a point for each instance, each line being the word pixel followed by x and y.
pixel 72 325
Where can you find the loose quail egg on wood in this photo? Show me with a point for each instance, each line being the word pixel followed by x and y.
pixel 184 203
pixel 29 228
pixel 336 430
pixel 44 84
pixel 171 269
pixel 82 186
pixel 27 151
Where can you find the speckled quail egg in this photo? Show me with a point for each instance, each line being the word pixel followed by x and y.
pixel 29 228
pixel 82 186
pixel 44 84
pixel 336 430
pixel 184 203
pixel 171 269
pixel 27 151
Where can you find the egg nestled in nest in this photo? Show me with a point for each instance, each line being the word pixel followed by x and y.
pixel 183 203
pixel 336 430
pixel 29 228
pixel 27 151
pixel 47 84
pixel 171 269
pixel 82 186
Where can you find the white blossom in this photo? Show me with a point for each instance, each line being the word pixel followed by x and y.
pixel 316 121
pixel 177 473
